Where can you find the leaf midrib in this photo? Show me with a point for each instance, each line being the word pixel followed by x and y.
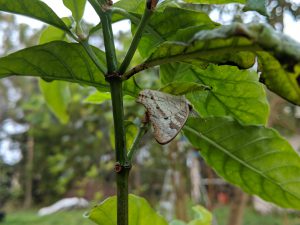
pixel 226 152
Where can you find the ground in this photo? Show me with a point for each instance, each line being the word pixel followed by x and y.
pixel 75 217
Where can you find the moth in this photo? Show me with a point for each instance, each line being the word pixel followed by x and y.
pixel 167 113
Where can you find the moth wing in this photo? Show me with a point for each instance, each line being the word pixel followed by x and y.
pixel 167 113
pixel 167 126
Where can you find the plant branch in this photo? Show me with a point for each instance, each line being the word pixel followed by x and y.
pixel 122 167
pixel 142 131
pixel 89 51
pixel 185 56
pixel 104 12
pixel 136 40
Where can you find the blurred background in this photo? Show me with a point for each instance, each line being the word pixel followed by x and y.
pixel 43 161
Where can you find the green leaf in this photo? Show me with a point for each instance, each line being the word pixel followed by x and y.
pixel 98 97
pixel 283 82
pixel 257 5
pixel 57 60
pixel 131 132
pixel 183 87
pixel 77 8
pixel 57 96
pixel 221 45
pixel 173 24
pixel 236 44
pixel 177 222
pixel 201 217
pixel 216 1
pixel 140 212
pixel 56 93
pixel 255 158
pixel 131 88
pixel 251 5
pixel 35 9
pixel 137 6
pixel 52 33
pixel 233 92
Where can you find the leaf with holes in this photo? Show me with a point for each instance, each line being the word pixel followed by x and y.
pixel 237 44
pixel 231 91
pixel 255 158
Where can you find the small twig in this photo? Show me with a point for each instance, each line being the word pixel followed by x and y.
pixel 137 36
pixel 142 131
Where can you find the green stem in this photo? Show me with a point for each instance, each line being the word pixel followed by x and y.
pixel 121 153
pixel 142 131
pixel 104 12
pixel 102 7
pixel 136 40
pixel 109 44
pixel 118 114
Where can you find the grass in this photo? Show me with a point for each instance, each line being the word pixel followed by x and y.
pixel 75 217
pixel 72 217
pixel 253 218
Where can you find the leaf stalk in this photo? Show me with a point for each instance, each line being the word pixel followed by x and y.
pixel 136 40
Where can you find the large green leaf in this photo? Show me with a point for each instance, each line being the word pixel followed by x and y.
pixel 77 8
pixel 35 9
pixel 56 93
pixel 56 60
pixel 140 212
pixel 231 91
pixel 236 44
pixel 253 157
pixel 173 24
pixel 183 87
